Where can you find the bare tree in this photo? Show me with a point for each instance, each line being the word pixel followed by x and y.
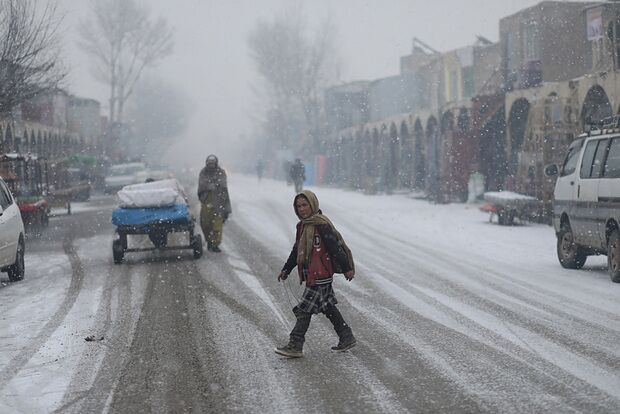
pixel 296 67
pixel 123 40
pixel 29 51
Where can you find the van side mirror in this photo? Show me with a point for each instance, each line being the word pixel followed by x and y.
pixel 551 170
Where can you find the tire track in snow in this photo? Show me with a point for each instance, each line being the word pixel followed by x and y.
pixel 117 330
pixel 77 276
pixel 377 382
pixel 460 318
pixel 501 279
pixel 476 274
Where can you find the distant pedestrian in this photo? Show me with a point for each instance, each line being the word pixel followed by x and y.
pixel 215 202
pixel 319 252
pixel 297 173
pixel 260 167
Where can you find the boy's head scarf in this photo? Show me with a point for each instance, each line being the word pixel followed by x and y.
pixel 304 247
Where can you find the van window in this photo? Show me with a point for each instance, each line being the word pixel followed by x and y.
pixel 612 164
pixel 570 163
pixel 599 157
pixel 588 157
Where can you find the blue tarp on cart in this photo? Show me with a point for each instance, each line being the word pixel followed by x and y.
pixel 178 213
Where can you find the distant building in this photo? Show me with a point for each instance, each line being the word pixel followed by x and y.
pixel 347 105
pixel 545 43
pixel 47 109
pixel 84 118
pixel 393 95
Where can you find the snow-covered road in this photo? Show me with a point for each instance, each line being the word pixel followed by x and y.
pixel 452 314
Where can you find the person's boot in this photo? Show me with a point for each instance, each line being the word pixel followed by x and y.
pixel 346 340
pixel 345 343
pixel 291 350
pixel 294 349
pixel 215 249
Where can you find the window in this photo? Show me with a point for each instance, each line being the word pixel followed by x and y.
pixel 570 163
pixel 586 161
pixel 468 81
pixel 612 164
pixel 5 197
pixel 530 42
pixel 597 165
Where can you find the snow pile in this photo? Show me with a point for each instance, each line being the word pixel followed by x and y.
pixel 163 193
pixel 509 198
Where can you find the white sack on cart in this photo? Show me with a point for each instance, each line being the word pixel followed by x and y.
pixel 161 193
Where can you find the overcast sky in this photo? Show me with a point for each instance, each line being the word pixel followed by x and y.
pixel 211 62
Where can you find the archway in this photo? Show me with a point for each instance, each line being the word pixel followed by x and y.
pixel 462 157
pixel 8 139
pixel 493 151
pixel 392 158
pixel 39 144
pixel 33 142
pixel 432 155
pixel 419 157
pixel 517 123
pixel 462 123
pixel 406 157
pixel 595 107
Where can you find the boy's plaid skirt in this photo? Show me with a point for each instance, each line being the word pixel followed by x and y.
pixel 317 298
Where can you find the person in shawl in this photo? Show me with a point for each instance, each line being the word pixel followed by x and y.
pixel 215 203
pixel 319 252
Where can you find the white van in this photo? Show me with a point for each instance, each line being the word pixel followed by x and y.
pixel 12 243
pixel 586 207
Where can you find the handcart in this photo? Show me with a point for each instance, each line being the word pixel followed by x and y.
pixel 153 209
pixel 507 206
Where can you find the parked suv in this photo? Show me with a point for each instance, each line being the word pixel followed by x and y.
pixel 587 201
pixel 12 244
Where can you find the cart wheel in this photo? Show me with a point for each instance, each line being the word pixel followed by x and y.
pixel 44 217
pixel 117 251
pixel 196 244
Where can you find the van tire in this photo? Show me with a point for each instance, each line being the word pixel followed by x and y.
pixel 570 255
pixel 17 270
pixel 613 256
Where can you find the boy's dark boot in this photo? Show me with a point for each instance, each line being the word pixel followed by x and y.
pixel 291 350
pixel 294 348
pixel 346 340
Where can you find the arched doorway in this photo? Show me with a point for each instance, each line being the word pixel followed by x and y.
pixel 33 142
pixel 493 150
pixel 392 156
pixel 419 156
pixel 406 159
pixel 8 139
pixel 39 144
pixel 463 155
pixel 358 160
pixel 432 157
pixel 517 124
pixel 595 107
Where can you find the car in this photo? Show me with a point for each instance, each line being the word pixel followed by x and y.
pixel 586 206
pixel 156 175
pixel 121 175
pixel 12 241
